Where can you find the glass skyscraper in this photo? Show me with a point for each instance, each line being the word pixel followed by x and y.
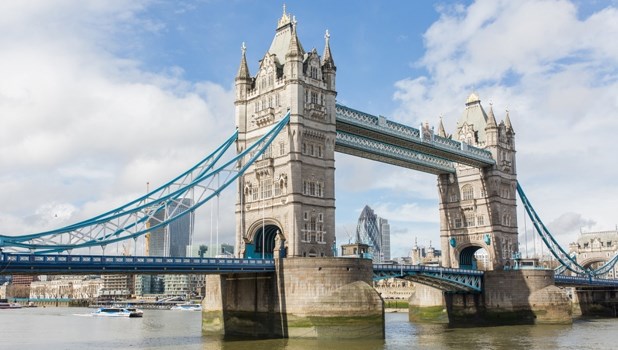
pixel 172 239
pixel 375 232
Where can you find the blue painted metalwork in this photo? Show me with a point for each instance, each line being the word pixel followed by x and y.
pixel 584 281
pixel 98 264
pixel 379 128
pixel 372 149
pixel 567 261
pixel 446 279
pixel 202 182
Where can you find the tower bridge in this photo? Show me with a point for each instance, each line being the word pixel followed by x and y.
pixel 289 127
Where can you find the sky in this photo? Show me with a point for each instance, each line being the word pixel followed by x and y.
pixel 99 98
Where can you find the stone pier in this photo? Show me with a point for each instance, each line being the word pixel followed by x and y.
pixel 509 297
pixel 304 298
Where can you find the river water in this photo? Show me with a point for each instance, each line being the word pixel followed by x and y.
pixel 71 328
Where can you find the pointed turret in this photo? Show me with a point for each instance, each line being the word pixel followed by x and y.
pixel 327 57
pixel 491 130
pixel 243 79
pixel 491 119
pixel 507 122
pixel 294 49
pixel 441 131
pixel 243 71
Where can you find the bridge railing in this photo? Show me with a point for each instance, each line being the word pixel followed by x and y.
pixel 134 260
pixel 587 281
pixel 425 268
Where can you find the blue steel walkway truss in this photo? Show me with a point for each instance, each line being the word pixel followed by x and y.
pixel 380 139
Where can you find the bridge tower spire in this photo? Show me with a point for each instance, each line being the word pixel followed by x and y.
pixel 286 201
pixel 478 206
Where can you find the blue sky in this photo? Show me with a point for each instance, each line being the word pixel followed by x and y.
pixel 98 98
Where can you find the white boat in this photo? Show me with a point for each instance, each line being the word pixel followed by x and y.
pixel 118 312
pixel 5 305
pixel 187 307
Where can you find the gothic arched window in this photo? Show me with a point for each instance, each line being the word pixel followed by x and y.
pixel 467 192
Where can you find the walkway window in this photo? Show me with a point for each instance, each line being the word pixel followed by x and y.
pixel 467 192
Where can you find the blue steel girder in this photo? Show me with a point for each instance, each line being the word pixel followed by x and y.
pixel 446 279
pixel 364 147
pixel 35 264
pixel 584 281
pixel 386 131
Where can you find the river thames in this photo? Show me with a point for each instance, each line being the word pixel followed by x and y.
pixel 71 328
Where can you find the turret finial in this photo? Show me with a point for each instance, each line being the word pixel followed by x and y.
pixel 243 48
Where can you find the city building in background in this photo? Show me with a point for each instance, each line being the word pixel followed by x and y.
pixel 425 256
pixel 374 232
pixel 118 287
pixel 172 239
pixel 594 249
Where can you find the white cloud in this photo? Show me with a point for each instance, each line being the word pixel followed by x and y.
pixel 85 125
pixel 556 72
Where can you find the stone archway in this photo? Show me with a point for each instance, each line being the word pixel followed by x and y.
pixel 265 241
pixel 593 262
pixel 475 258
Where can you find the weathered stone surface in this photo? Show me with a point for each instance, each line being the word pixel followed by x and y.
pixel 320 297
pixel 509 297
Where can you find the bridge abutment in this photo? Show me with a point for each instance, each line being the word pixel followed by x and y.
pixel 304 298
pixel 595 302
pixel 509 297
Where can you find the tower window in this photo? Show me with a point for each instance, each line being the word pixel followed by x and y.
pixel 281 148
pixel 458 223
pixel 467 192
pixel 267 188
pixel 480 220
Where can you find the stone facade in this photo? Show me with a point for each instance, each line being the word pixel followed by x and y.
pixel 478 206
pixel 304 298
pixel 509 297
pixel 594 249
pixel 288 195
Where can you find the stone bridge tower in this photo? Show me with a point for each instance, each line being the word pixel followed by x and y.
pixel 478 207
pixel 286 201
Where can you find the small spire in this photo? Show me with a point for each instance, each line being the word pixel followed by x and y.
pixel 491 119
pixel 285 18
pixel 243 71
pixel 507 122
pixel 441 131
pixel 294 49
pixel 327 57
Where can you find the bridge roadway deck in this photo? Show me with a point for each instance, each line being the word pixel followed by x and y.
pixel 448 279
pixel 98 264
